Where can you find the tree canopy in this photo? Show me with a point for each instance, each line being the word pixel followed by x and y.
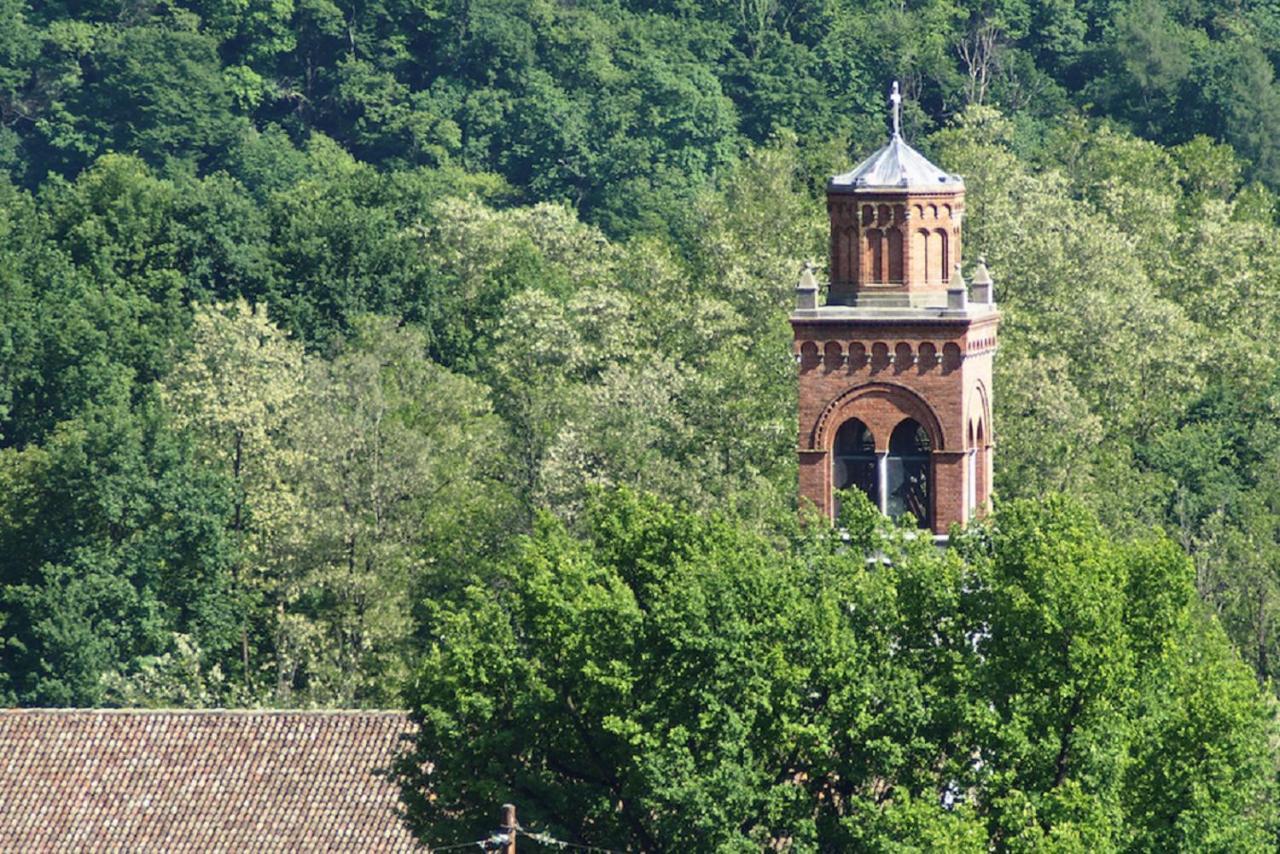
pixel 657 679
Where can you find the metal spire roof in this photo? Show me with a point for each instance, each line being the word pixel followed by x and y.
pixel 897 166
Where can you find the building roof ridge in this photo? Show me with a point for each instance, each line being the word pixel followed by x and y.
pixel 201 712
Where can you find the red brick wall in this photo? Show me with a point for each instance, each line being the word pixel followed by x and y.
pixel 845 371
pixel 852 263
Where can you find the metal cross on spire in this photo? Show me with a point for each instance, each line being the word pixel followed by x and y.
pixel 895 101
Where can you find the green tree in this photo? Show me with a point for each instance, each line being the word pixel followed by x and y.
pixel 662 680
pixel 114 549
pixel 158 91
pixel 396 462
pixel 238 391
pixel 22 245
pixel 106 301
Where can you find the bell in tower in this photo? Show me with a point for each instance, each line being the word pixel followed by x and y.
pixel 895 365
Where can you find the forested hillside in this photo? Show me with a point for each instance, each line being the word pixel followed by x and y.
pixel 624 110
pixel 435 354
pixel 309 309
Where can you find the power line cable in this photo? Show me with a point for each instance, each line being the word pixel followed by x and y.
pixel 548 839
pixel 485 844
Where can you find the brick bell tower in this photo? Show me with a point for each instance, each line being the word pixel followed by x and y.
pixel 895 368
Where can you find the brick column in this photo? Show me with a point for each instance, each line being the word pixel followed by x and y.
pixel 815 480
pixel 948 489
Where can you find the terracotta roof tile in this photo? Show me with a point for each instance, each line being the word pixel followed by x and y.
pixel 208 781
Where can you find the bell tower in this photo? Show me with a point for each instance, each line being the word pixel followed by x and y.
pixel 895 367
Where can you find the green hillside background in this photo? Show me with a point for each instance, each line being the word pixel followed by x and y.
pixel 316 318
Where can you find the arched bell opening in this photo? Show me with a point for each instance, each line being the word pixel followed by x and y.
pixel 942 266
pixel 909 474
pixel 894 239
pixel 873 260
pixel 855 463
pixel 971 476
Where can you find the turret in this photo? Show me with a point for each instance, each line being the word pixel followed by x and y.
pixel 895 227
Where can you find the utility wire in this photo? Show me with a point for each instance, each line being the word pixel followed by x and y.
pixel 548 839
pixel 498 840
pixel 479 843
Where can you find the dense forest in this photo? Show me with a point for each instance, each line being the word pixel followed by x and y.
pixel 362 353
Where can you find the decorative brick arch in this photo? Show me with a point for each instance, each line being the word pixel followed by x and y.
pixel 979 445
pixel 980 408
pixel 881 407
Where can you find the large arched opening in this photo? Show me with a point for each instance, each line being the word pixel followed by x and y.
pixel 898 480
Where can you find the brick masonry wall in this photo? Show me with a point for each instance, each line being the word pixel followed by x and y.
pixel 852 213
pixel 845 371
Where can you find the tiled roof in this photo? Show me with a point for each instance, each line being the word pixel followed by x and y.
pixel 105 780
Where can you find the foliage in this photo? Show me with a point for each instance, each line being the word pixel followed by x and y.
pixel 1126 375
pixel 395 459
pixel 658 679
pixel 238 392
pixel 311 314
pixel 624 111
pixel 112 540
